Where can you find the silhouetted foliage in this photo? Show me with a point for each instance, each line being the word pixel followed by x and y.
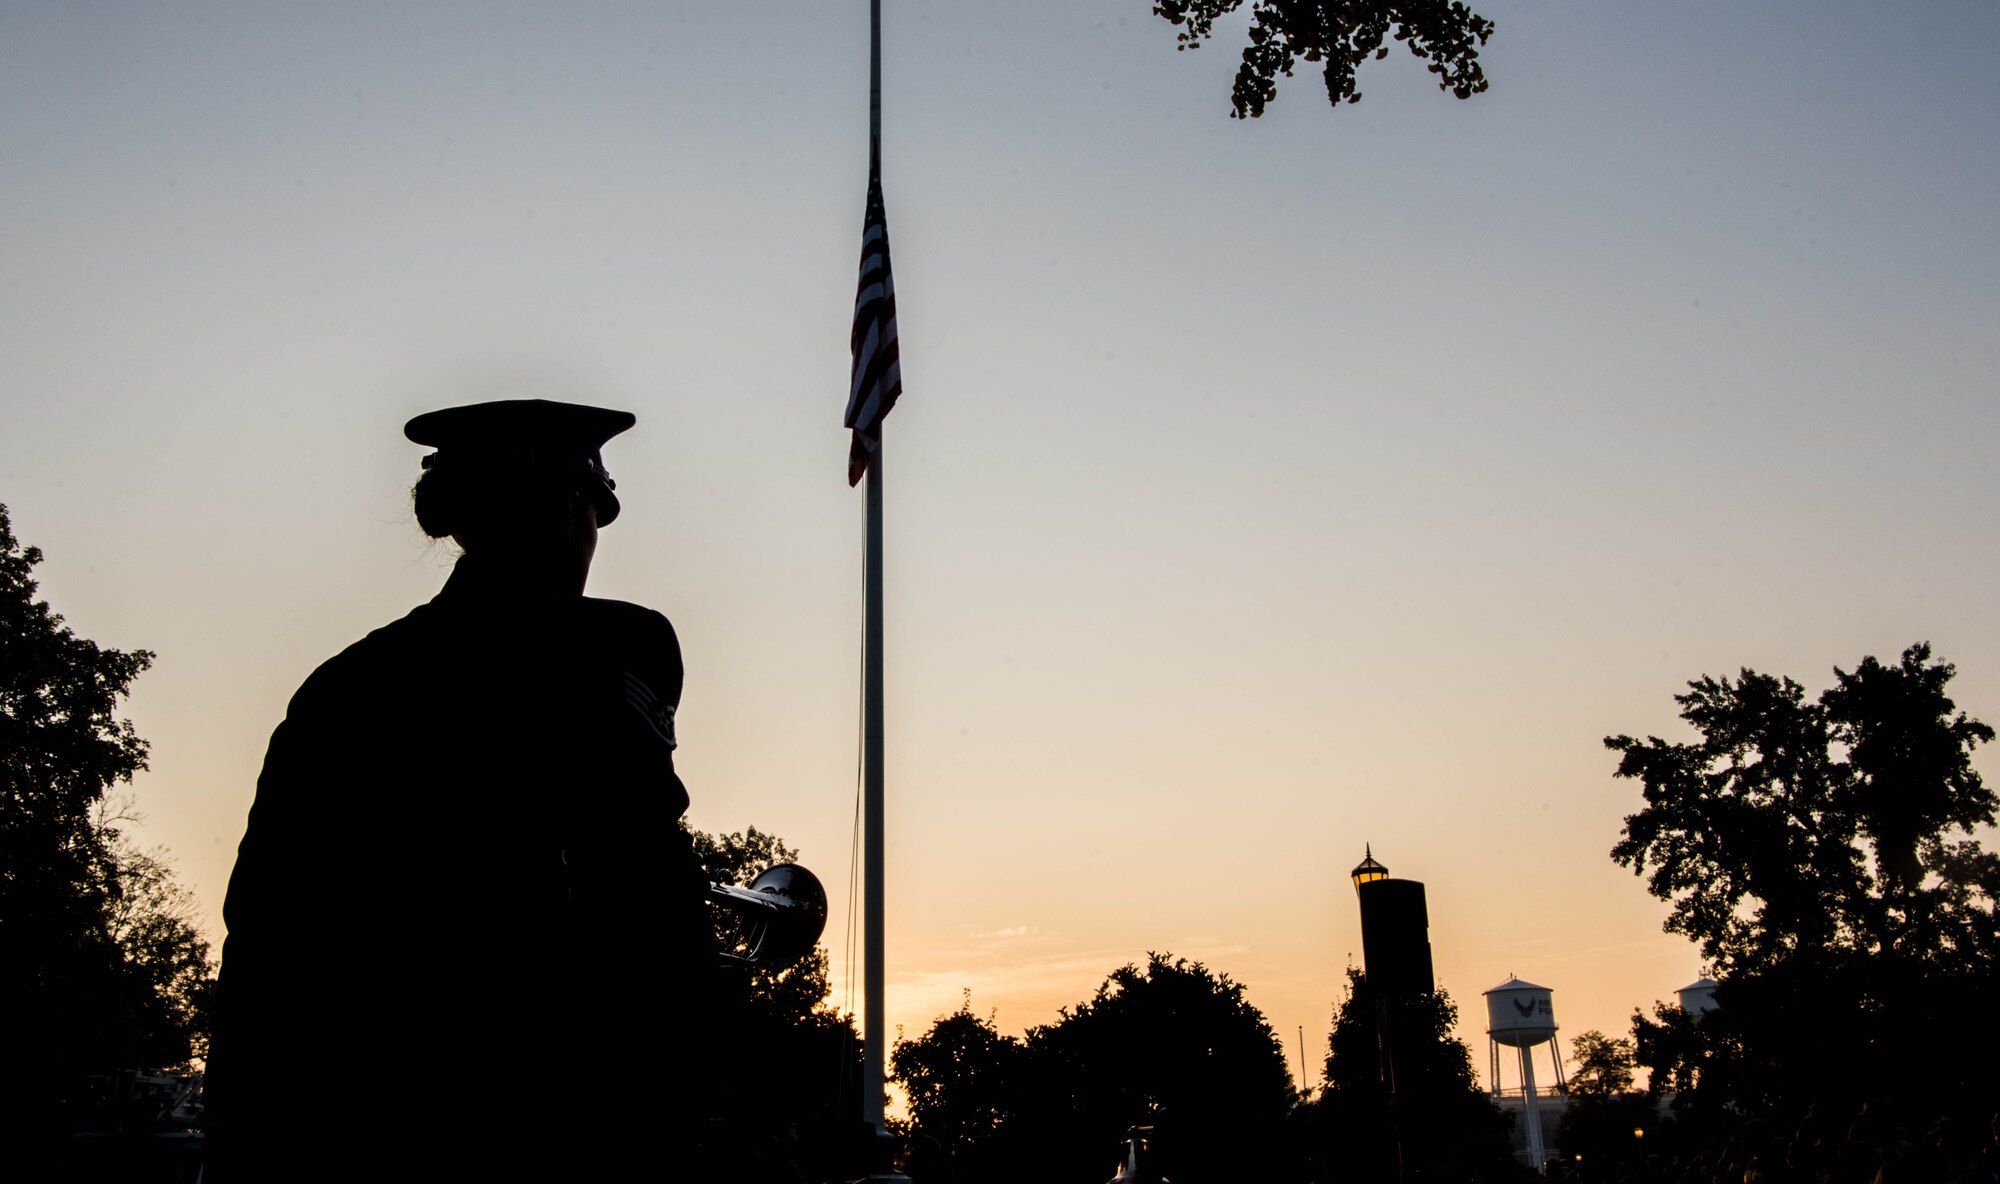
pixel 1173 1046
pixel 1603 1065
pixel 795 1062
pixel 792 994
pixel 1448 1128
pixel 1673 1049
pixel 104 966
pixel 737 858
pixel 1607 1123
pixel 1809 847
pixel 1759 832
pixel 962 1079
pixel 1606 1136
pixel 1816 851
pixel 1445 34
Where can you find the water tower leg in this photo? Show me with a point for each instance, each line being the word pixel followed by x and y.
pixel 1533 1113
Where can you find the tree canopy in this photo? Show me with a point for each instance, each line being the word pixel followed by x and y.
pixel 962 1079
pixel 1444 34
pixel 1607 1123
pixel 1760 832
pixel 1446 1127
pixel 97 939
pixel 1602 1065
pixel 1177 1048
pixel 781 997
pixel 1171 1045
pixel 1822 853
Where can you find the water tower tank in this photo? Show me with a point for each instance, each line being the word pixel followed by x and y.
pixel 1698 997
pixel 1519 1014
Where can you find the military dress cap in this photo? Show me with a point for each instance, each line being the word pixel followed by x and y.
pixel 529 435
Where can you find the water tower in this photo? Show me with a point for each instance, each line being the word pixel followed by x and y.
pixel 1522 1016
pixel 1698 997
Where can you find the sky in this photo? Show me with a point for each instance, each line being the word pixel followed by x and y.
pixel 1261 489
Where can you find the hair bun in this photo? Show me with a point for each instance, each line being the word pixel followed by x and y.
pixel 434 498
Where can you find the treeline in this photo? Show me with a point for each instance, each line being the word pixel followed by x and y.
pixel 1174 1050
pixel 1823 853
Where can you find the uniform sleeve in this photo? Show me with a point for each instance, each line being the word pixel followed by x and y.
pixel 286 875
pixel 269 1015
pixel 633 797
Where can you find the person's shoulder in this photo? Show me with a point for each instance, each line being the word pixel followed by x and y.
pixel 633 626
pixel 642 636
pixel 626 617
pixel 385 652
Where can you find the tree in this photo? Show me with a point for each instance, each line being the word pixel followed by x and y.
pixel 737 858
pixel 1814 849
pixel 1759 832
pixel 1607 1123
pixel 1603 1065
pixel 1446 1127
pixel 151 919
pixel 962 1079
pixel 96 939
pixel 1341 33
pixel 1674 1048
pixel 1174 1046
pixel 785 996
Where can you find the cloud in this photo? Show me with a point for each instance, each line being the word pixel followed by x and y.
pixel 1006 932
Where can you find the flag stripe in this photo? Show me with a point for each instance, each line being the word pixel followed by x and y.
pixel 877 377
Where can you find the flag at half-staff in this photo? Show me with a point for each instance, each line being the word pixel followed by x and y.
pixel 877 378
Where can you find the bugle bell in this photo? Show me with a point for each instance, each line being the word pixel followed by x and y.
pixel 780 915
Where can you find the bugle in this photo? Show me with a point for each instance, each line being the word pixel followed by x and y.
pixel 780 915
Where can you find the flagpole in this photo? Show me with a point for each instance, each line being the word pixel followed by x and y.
pixel 874 83
pixel 873 1028
pixel 872 1076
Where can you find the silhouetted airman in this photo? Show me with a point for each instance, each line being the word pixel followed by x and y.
pixel 463 901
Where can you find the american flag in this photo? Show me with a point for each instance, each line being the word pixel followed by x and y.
pixel 878 375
